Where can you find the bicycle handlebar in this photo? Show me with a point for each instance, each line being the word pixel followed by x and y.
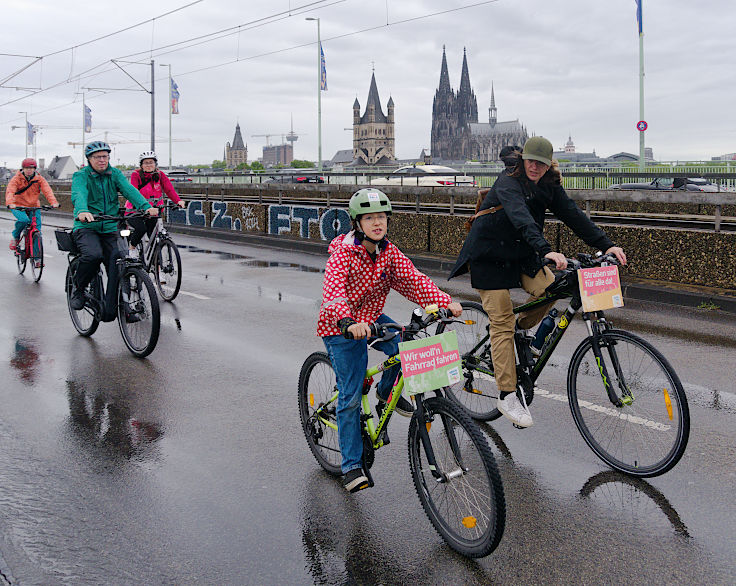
pixel 585 261
pixel 27 209
pixel 387 330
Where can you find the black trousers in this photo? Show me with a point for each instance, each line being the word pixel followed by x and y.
pixel 96 248
pixel 140 226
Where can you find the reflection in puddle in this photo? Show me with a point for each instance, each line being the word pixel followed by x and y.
pixel 110 423
pixel 633 500
pixel 25 360
pixel 254 262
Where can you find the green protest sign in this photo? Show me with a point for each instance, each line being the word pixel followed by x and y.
pixel 430 363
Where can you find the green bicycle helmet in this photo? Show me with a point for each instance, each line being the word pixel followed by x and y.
pixel 95 146
pixel 368 201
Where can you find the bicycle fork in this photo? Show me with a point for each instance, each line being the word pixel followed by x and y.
pixel 423 424
pixel 627 397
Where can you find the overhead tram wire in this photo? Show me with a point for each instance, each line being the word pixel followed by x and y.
pixel 358 32
pixel 273 18
pixel 294 11
pixel 74 47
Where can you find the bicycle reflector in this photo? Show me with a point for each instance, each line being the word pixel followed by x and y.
pixel 668 402
pixel 469 522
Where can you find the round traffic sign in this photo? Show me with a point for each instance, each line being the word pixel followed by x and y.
pixel 641 125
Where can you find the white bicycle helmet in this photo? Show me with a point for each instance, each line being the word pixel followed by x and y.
pixel 147 155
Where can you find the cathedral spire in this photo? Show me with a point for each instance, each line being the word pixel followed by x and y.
pixel 492 113
pixel 444 76
pixel 374 101
pixel 465 76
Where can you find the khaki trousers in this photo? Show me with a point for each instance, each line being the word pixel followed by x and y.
pixel 497 304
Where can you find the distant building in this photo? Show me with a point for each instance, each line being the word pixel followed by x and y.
pixel 61 168
pixel 456 133
pixel 280 154
pixel 238 152
pixel 726 157
pixel 373 133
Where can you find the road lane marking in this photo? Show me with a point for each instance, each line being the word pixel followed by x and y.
pixel 195 295
pixel 606 411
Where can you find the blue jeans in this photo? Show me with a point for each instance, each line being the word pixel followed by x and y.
pixel 22 219
pixel 350 361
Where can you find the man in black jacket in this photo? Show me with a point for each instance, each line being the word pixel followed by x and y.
pixel 506 248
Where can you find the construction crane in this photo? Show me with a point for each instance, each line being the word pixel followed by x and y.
pixel 268 136
pixel 41 126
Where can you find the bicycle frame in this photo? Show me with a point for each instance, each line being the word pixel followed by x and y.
pixel 530 369
pixel 31 230
pixel 159 232
pixel 377 433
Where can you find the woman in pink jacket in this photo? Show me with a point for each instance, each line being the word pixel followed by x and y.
pixel 154 185
pixel 363 267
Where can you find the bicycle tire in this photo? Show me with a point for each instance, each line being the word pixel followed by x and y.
pixel 20 253
pixel 469 509
pixel 167 269
pixel 38 257
pixel 141 335
pixel 477 393
pixel 645 438
pixel 317 385
pixel 84 320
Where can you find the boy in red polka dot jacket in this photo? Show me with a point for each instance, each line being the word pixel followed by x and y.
pixel 363 267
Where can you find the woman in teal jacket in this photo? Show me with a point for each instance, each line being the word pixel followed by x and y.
pixel 95 191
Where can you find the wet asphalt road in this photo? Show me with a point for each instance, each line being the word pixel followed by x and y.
pixel 190 467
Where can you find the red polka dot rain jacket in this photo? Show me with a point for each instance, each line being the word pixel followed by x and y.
pixel 356 287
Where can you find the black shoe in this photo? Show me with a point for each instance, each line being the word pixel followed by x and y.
pixel 132 316
pixel 403 407
pixel 77 300
pixel 355 480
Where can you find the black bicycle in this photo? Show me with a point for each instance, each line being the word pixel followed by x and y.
pixel 30 244
pixel 136 307
pixel 626 399
pixel 161 258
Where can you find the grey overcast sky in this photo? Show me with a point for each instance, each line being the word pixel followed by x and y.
pixel 560 66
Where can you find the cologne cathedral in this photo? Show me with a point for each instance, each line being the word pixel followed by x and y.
pixel 456 133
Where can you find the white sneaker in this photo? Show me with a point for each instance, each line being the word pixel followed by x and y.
pixel 511 407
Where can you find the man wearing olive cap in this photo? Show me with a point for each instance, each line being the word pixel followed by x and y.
pixel 506 248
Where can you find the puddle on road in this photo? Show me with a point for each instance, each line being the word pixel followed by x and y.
pixel 254 262
pixel 110 423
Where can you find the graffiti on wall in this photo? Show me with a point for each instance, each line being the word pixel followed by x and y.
pixel 303 221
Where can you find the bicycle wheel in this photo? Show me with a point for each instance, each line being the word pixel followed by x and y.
pixel 20 253
pixel 37 248
pixel 648 434
pixel 318 410
pixel 138 312
pixel 84 319
pixel 467 506
pixel 167 269
pixel 478 392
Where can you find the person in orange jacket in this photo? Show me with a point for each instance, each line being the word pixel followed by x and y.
pixel 24 190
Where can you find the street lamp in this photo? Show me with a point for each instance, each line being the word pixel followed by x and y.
pixel 169 100
pixel 319 97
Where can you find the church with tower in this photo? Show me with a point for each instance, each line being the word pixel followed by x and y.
pixel 456 133
pixel 373 132
pixel 236 153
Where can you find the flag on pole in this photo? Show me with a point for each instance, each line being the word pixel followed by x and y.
pixel 29 133
pixel 638 16
pixel 87 119
pixel 174 90
pixel 323 70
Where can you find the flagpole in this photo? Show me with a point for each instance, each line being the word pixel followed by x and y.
pixel 84 125
pixel 171 107
pixel 319 96
pixel 642 164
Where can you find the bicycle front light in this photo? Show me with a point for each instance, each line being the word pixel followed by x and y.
pixel 125 233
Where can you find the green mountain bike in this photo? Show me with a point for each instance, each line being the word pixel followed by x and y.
pixel 454 471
